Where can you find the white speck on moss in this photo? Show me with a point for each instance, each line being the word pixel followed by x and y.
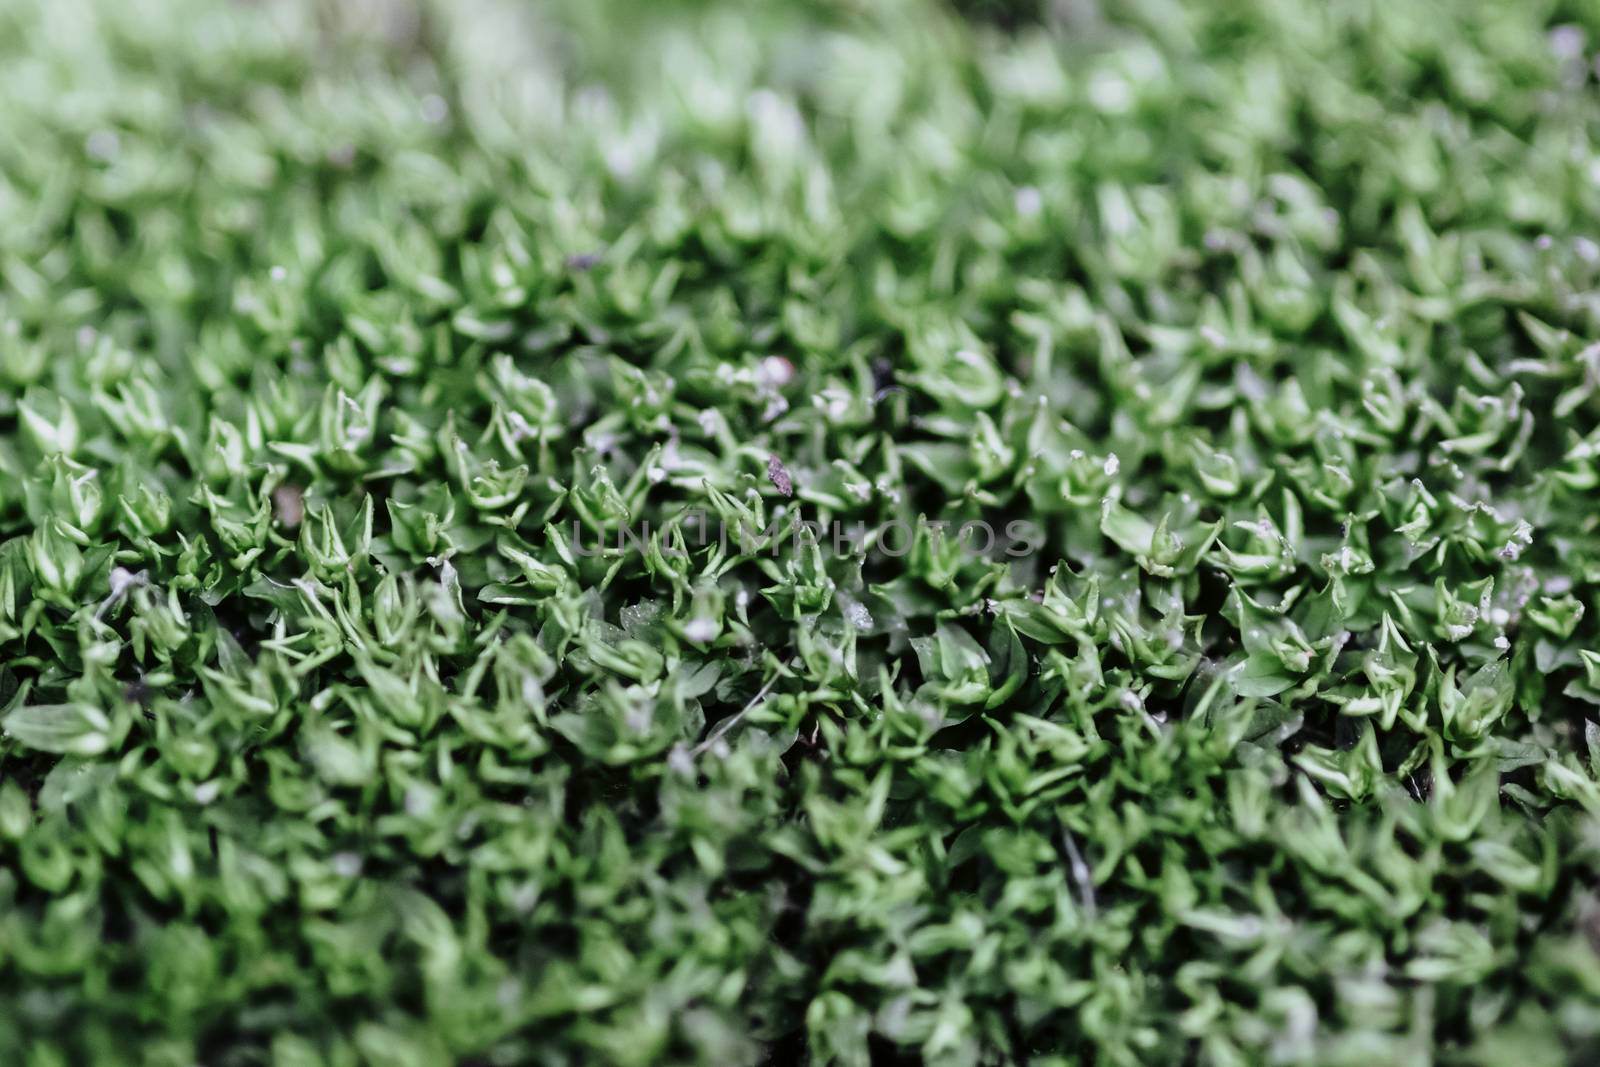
pixel 775 372
pixel 1567 42
pixel 103 145
pixel 857 613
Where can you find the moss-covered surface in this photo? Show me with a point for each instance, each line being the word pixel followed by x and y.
pixel 375 379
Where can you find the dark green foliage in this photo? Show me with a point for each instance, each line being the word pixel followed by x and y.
pixel 371 373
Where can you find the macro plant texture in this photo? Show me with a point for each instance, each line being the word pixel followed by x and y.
pixel 368 699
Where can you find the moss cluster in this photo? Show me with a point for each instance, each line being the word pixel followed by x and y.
pixel 484 505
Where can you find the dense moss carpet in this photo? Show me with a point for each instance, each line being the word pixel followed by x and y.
pixel 831 532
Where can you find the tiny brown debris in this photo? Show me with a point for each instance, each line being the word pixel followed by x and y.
pixel 290 505
pixel 778 475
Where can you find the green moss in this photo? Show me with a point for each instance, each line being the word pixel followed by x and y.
pixel 472 587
